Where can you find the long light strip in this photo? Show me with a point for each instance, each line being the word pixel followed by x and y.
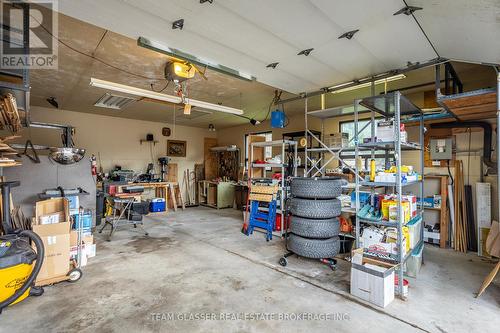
pixel 367 84
pixel 161 97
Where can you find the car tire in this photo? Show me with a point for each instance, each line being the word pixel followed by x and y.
pixel 315 228
pixel 315 209
pixel 316 188
pixel 314 248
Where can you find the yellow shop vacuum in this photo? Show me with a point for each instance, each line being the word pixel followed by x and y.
pixel 19 262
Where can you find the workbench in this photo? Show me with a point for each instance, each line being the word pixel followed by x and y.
pixel 161 189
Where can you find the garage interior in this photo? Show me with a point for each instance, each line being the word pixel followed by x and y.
pixel 214 165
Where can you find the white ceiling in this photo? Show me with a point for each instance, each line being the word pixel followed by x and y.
pixel 248 35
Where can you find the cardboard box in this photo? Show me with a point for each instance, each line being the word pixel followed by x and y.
pixel 52 206
pixel 387 203
pixel 337 140
pixel 371 235
pixel 385 131
pixel 91 250
pixel 86 238
pixel 73 253
pixel 371 280
pixel 412 199
pixel 56 241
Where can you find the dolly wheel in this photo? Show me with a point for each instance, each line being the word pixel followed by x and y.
pixel 283 262
pixel 36 291
pixel 74 275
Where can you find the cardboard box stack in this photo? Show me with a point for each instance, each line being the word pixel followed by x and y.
pixel 52 224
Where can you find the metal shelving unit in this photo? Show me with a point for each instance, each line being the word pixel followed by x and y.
pixel 17 81
pixel 390 106
pixel 316 166
pixel 283 187
pixel 311 146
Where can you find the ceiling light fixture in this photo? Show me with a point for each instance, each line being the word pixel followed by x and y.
pixel 273 65
pixel 254 122
pixel 408 10
pixel 339 89
pixel 161 97
pixel 305 52
pixel 211 127
pixel 348 34
pixel 171 52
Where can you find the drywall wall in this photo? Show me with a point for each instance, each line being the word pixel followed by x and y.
pixel 117 140
pixel 36 178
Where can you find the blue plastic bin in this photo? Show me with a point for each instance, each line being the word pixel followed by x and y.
pixel 86 222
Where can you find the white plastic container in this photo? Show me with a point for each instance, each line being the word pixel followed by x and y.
pixel 414 262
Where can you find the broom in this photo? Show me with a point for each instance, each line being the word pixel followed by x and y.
pixel 247 208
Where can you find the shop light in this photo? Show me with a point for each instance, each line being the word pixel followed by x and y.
pixel 366 84
pixel 161 97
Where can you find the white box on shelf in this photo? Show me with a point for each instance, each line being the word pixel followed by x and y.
pixel 384 131
pixel 337 140
pixel 371 235
pixel 431 237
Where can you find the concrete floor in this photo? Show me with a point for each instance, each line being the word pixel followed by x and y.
pixel 198 262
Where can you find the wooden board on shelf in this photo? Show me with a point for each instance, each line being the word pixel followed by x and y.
pixel 443 210
pixel 473 107
pixel 257 154
pixel 172 173
pixel 210 158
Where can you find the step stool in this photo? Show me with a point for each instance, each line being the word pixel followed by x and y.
pixel 261 219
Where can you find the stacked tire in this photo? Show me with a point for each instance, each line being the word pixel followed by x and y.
pixel 315 209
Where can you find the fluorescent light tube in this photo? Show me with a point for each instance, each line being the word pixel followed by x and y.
pixel 366 84
pixel 161 97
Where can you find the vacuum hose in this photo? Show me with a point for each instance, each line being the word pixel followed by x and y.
pixel 38 265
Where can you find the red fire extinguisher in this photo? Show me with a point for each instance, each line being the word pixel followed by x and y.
pixel 93 165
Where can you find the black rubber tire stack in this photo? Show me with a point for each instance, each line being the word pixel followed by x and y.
pixel 315 209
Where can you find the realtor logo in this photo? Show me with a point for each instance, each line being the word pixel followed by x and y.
pixel 42 34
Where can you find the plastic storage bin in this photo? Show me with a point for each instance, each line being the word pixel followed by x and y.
pixel 157 205
pixel 414 262
pixel 86 222
pixel 414 228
